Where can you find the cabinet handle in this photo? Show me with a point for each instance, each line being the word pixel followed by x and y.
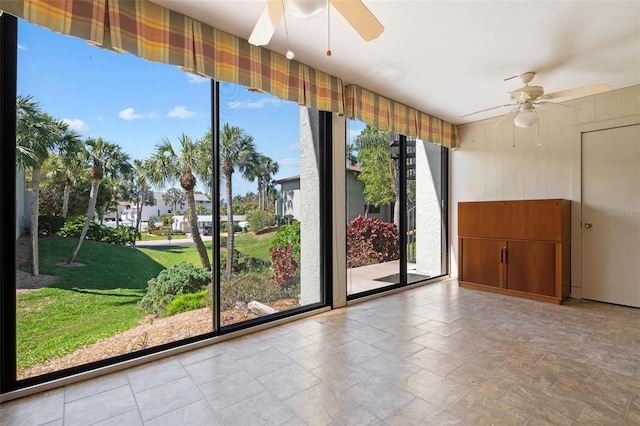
pixel 501 255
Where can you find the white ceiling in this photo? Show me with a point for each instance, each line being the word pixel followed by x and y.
pixel 449 58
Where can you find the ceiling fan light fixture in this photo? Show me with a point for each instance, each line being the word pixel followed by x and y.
pixel 305 8
pixel 525 118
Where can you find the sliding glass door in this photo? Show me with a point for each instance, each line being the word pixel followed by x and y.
pixel 396 216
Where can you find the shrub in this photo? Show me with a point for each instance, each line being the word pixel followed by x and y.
pixel 288 235
pixel 123 235
pixel 370 240
pixel 180 278
pixel 187 302
pixel 260 219
pixel 249 286
pixel 243 263
pixel 50 224
pixel 284 266
pixel 224 226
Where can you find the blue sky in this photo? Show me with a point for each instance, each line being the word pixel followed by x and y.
pixel 135 103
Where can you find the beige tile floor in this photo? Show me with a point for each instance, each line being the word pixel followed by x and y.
pixel 437 354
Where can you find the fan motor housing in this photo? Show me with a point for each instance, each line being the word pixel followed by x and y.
pixel 527 93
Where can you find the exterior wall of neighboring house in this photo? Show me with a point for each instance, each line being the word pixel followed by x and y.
pixel 289 200
pixel 181 223
pixel 128 211
pixel 500 162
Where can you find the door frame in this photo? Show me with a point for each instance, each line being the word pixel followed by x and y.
pixel 576 191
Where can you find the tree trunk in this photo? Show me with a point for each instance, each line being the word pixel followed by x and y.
pixel 103 211
pixel 91 211
pixel 35 213
pixel 230 233
pixel 195 232
pixel 65 198
pixel 139 205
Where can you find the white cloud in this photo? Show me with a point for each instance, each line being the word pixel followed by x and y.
pixel 153 115
pixel 76 125
pixel 180 112
pixel 129 114
pixel 259 104
pixel 196 79
pixel 293 147
pixel 288 162
pixel 22 46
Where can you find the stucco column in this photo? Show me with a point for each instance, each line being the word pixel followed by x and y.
pixel 428 209
pixel 309 206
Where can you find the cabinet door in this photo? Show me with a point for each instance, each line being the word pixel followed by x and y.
pixel 481 261
pixel 531 267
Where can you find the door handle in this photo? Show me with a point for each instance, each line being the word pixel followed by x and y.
pixel 588 225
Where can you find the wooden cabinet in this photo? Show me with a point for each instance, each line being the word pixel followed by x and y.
pixel 520 248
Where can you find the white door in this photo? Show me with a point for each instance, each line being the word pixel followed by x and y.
pixel 611 215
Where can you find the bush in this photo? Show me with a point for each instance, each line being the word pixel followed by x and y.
pixel 249 286
pixel 370 241
pixel 288 235
pixel 163 231
pixel 260 219
pixel 284 265
pixel 121 236
pixel 187 302
pixel 224 226
pixel 180 278
pixel 243 263
pixel 50 224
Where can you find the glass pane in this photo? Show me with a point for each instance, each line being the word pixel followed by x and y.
pixel 372 199
pixel 269 205
pixel 122 141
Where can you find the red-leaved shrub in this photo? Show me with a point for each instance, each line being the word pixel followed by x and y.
pixel 370 240
pixel 284 265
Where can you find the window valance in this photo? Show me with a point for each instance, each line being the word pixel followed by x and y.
pixel 158 34
pixel 375 110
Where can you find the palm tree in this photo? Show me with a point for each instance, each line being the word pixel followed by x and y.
pixel 37 134
pixel 68 167
pixel 104 158
pixel 262 168
pixel 139 192
pixel 237 151
pixel 174 197
pixel 167 165
pixel 116 189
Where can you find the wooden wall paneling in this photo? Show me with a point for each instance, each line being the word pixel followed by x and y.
pixel 494 160
pixel 609 106
pixel 472 184
pixel 631 101
pixel 558 141
pixel 513 164
pixel 535 159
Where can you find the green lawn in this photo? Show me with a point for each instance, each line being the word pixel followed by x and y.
pixel 100 299
pixel 144 236
pixel 254 245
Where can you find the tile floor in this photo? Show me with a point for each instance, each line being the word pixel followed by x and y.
pixel 438 354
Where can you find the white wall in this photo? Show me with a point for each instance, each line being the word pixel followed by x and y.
pixel 506 163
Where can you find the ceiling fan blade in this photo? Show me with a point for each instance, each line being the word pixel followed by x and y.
pixel 509 115
pixel 360 18
pixel 578 92
pixel 267 23
pixel 546 104
pixel 485 110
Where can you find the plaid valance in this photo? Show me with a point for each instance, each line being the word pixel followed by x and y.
pixel 158 34
pixel 375 110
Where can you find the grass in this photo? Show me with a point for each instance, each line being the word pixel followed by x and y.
pixel 100 299
pixel 144 236
pixel 254 245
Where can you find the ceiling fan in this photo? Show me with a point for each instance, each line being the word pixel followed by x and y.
pixel 353 11
pixel 526 98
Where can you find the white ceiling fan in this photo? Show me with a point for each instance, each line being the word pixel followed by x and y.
pixel 353 11
pixel 526 98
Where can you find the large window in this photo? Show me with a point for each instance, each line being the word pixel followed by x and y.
pixel 270 163
pixel 153 208
pixel 396 216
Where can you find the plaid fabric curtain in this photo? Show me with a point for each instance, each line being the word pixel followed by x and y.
pixel 161 35
pixel 375 110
